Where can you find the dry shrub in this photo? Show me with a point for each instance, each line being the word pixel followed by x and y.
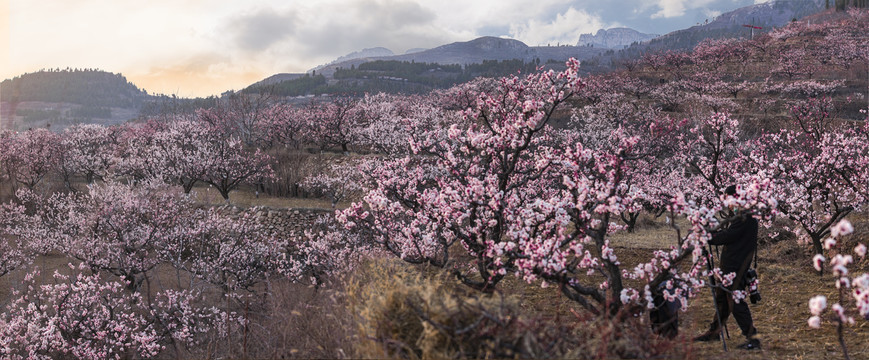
pixel 402 313
pixel 299 321
pixel 386 324
pixel 286 321
pixel 649 221
pixel 785 252
pixel 291 167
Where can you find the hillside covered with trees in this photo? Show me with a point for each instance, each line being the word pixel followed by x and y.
pixel 87 87
pixel 393 76
pixel 63 97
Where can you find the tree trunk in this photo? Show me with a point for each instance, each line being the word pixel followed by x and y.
pixel 224 193
pixel 188 185
pixel 630 219
pixel 839 330
pixel 817 245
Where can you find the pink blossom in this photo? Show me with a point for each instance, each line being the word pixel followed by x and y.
pixel 842 228
pixel 818 261
pixel 817 304
pixel 860 250
pixel 815 322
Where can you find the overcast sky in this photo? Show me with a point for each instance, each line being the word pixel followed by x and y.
pixel 204 47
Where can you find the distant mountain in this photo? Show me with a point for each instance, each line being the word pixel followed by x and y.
pixel 421 71
pixel 470 52
pixel 64 97
pixel 615 38
pixel 476 51
pixel 560 54
pixel 416 70
pixel 376 52
pixel 366 53
pixel 768 15
pixel 289 86
pixel 276 78
pixel 414 50
pixel 597 48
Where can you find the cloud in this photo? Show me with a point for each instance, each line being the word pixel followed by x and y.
pixel 564 29
pixel 245 47
pixel 711 13
pixel 370 23
pixel 393 14
pixel 203 41
pixel 331 27
pixel 198 75
pixel 258 31
pixel 4 34
pixel 676 8
pixel 474 17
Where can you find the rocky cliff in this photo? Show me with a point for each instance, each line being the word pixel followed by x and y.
pixel 616 38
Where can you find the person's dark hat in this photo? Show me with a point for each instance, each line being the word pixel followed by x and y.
pixel 730 190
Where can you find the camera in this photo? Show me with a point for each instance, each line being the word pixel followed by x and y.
pixel 753 291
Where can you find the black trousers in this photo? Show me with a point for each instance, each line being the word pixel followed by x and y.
pixel 740 312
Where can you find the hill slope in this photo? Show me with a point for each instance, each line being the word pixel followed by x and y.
pixel 477 51
pixel 80 87
pixel 64 97
pixel 773 14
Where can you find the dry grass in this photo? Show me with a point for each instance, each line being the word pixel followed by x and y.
pixel 781 318
pixel 299 321
pixel 650 233
pixel 407 313
pixel 787 282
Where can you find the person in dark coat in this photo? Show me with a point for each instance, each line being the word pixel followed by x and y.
pixel 740 244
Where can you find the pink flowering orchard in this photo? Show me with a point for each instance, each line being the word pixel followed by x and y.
pixel 13 254
pixel 113 228
pixel 605 188
pixel 501 189
pixel 89 151
pixel 89 317
pixel 820 170
pixel 30 156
